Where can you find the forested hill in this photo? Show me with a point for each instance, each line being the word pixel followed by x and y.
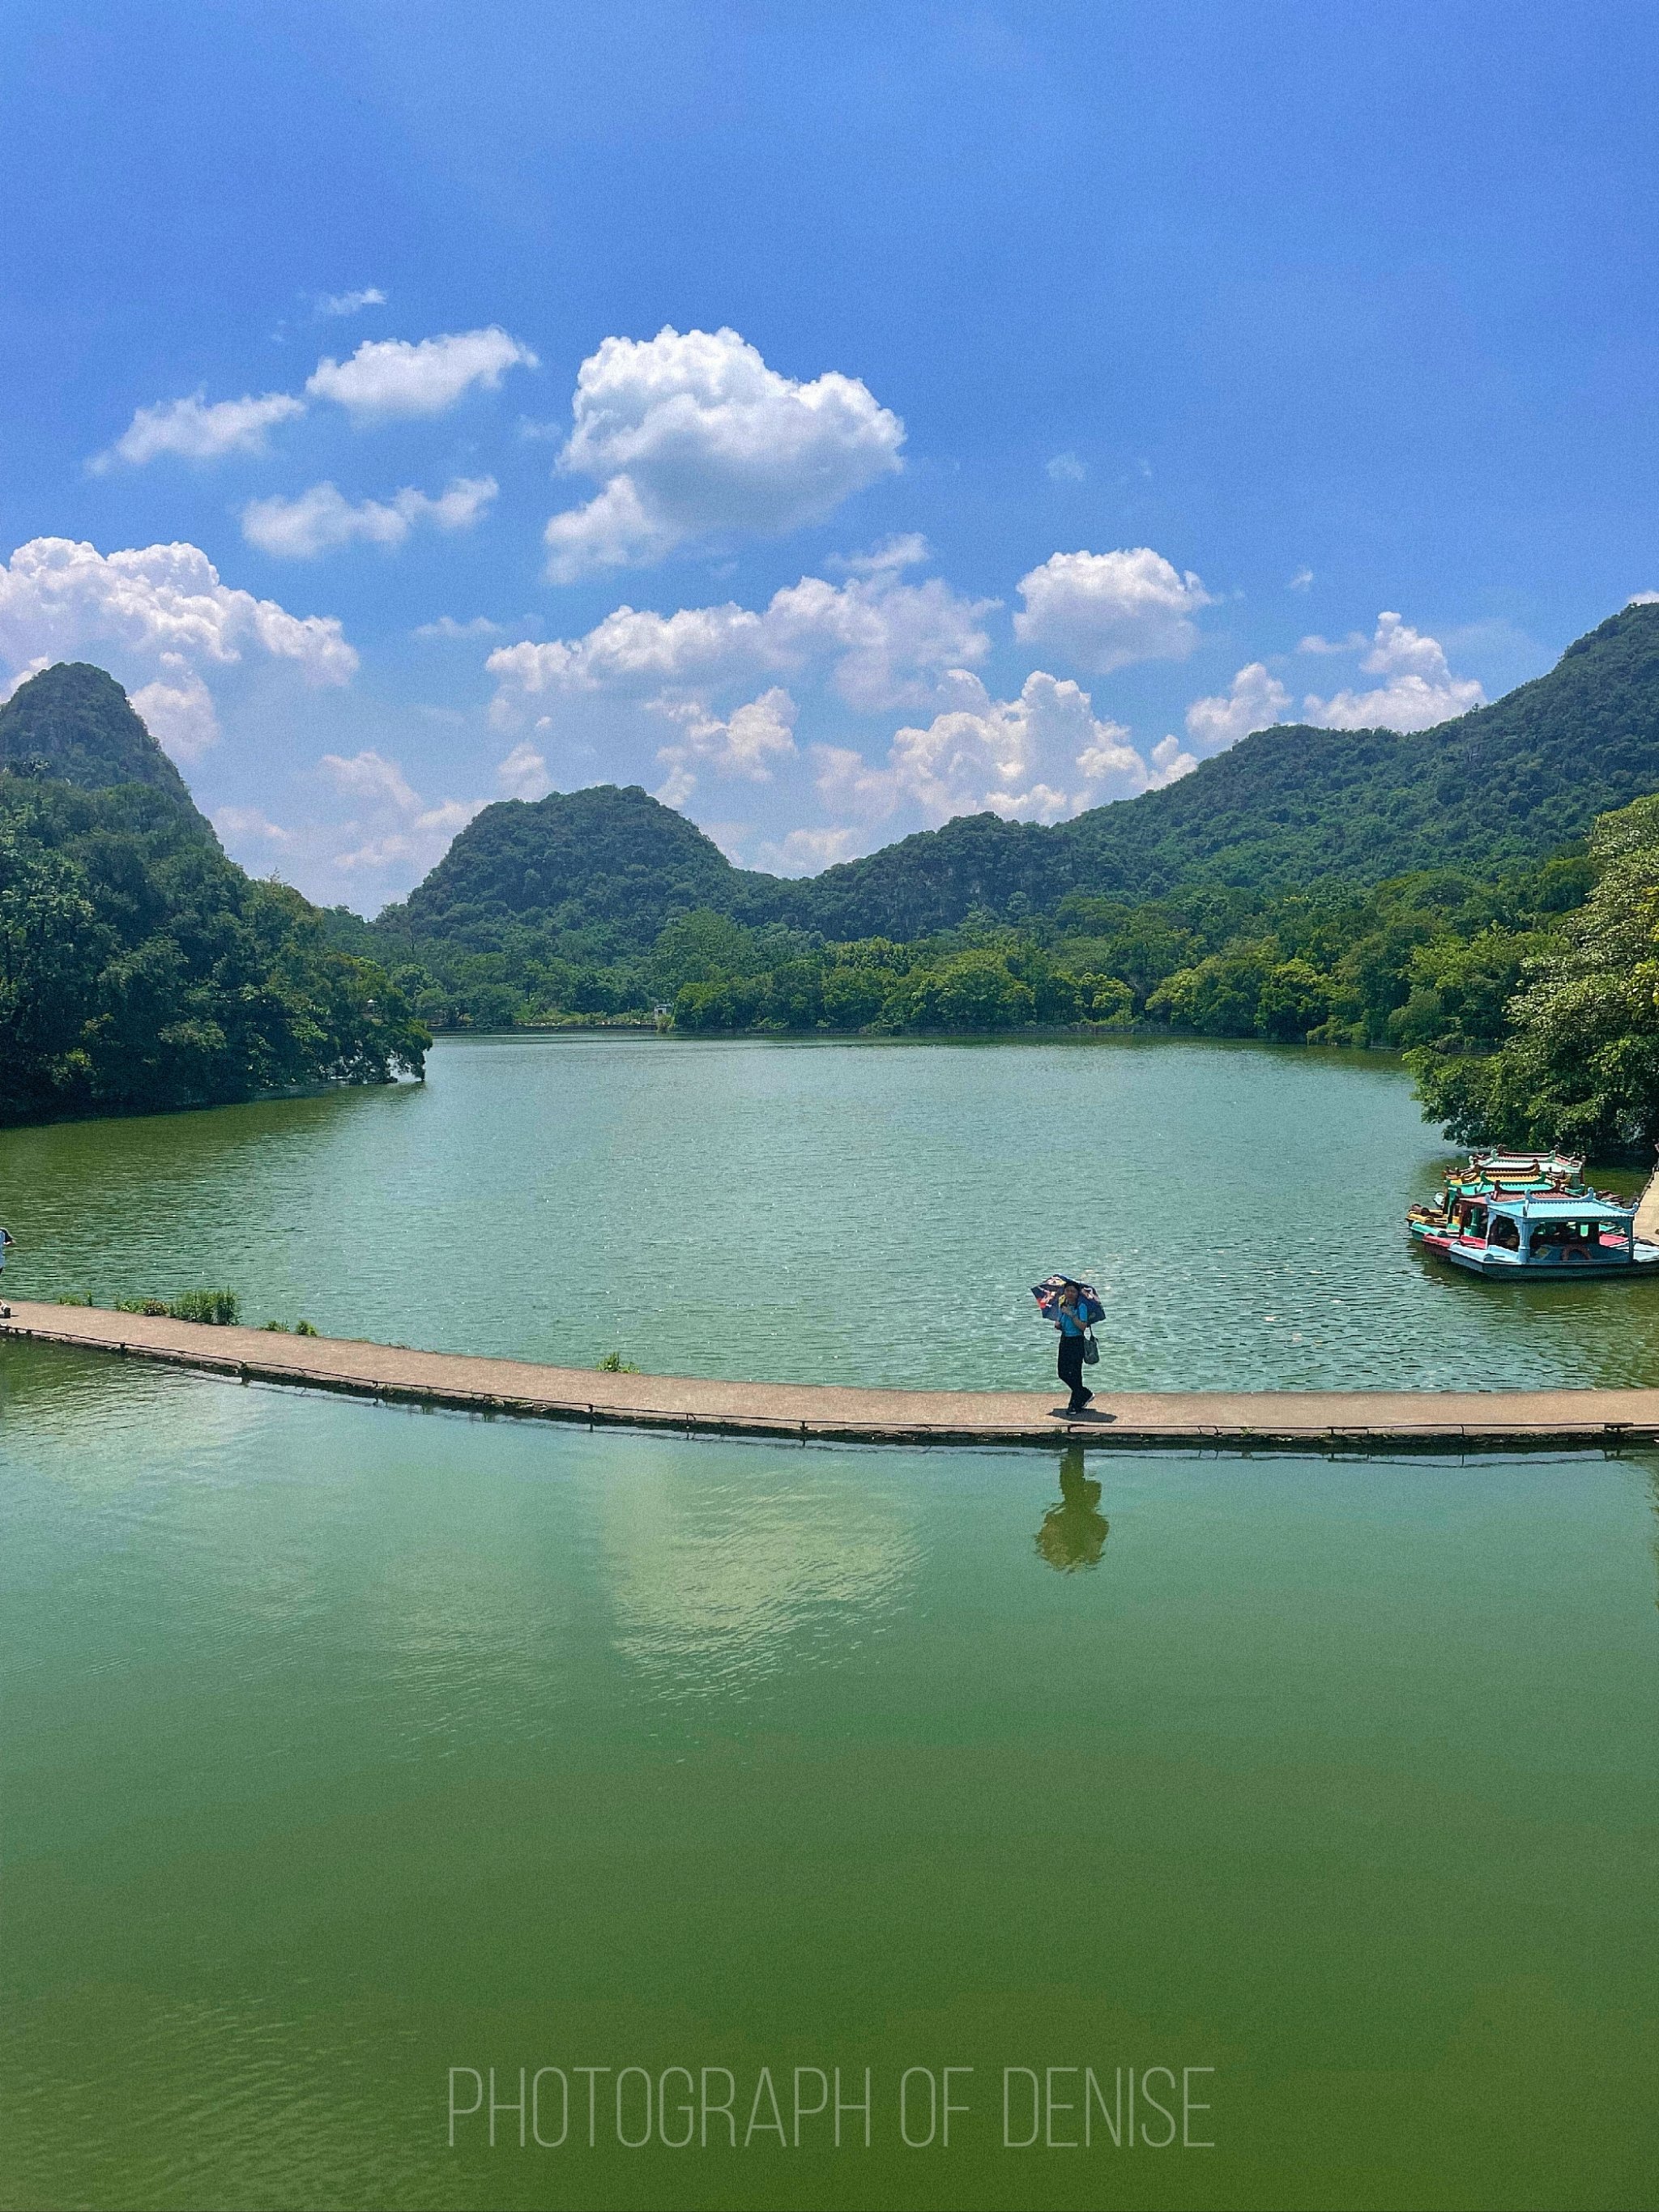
pixel 1509 782
pixel 140 968
pixel 75 724
pixel 616 858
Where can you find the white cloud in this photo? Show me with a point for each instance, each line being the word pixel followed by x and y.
pixel 1064 468
pixel 885 643
pixel 693 434
pixel 745 743
pixel 247 826
pixel 368 775
pixel 160 616
pixel 1169 762
pixel 194 431
pixel 446 626
pixel 321 518
pixel 900 552
pixel 1301 582
pixel 805 852
pixel 397 827
pixel 1105 609
pixel 1039 757
pixel 178 715
pixel 1355 642
pixel 388 377
pixel 1642 599
pixel 523 774
pixel 1419 690
pixel 1255 700
pixel 349 303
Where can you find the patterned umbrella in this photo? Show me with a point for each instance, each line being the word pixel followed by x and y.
pixel 1090 1309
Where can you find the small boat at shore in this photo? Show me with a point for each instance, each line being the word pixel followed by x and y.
pixel 1531 1214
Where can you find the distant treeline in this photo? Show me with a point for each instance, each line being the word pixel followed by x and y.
pixel 1525 1002
pixel 1428 958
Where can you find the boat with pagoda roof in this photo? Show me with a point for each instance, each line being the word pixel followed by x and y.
pixel 1532 1214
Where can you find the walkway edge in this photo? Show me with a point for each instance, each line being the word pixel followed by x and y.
pixel 1325 1421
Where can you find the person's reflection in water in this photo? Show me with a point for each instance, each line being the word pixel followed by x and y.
pixel 1074 1533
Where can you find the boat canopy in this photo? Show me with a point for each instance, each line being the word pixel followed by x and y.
pixel 1548 1206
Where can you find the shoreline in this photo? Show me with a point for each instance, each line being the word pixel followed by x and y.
pixel 1320 1421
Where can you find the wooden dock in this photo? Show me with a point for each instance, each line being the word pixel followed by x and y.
pixel 1317 1420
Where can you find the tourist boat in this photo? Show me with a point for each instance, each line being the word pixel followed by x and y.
pixel 1531 1213
pixel 1491 1174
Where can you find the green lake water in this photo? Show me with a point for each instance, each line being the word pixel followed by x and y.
pixel 826 1213
pixel 341 1746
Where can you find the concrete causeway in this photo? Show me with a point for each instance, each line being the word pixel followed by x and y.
pixel 1321 1420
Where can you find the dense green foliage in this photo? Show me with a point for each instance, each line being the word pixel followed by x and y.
pixel 1309 886
pixel 592 875
pixel 1580 1064
pixel 74 724
pixel 1429 957
pixel 601 868
pixel 140 968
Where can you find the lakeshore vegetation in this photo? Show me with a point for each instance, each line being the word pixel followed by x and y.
pixel 140 968
pixel 1483 897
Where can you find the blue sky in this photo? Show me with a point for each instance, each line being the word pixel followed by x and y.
pixel 975 406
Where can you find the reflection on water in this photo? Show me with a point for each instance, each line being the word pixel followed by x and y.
pixel 342 1744
pixel 1074 1533
pixel 716 1586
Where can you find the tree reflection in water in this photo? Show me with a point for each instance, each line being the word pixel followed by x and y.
pixel 1074 1533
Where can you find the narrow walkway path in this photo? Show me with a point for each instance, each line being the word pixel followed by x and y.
pixel 1315 1420
pixel 1646 1213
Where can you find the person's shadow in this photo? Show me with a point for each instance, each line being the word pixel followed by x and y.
pixel 1074 1533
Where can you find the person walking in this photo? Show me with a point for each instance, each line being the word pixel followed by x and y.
pixel 1073 1336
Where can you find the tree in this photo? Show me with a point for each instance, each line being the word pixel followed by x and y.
pixel 1580 1066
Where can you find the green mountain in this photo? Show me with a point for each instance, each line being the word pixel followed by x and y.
pixel 76 725
pixel 140 968
pixel 614 856
pixel 1506 784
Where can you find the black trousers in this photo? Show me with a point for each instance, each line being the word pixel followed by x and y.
pixel 1071 1372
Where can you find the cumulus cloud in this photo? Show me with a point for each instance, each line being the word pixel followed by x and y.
pixel 1254 700
pixel 1642 599
pixel 160 615
pixel 193 430
pixel 885 643
pixel 1036 758
pixel 900 552
pixel 1418 689
pixel 1064 468
pixel 744 743
pixel 178 715
pixel 349 303
pixel 392 377
pixel 446 626
pixel 805 852
pixel 692 435
pixel 1105 609
pixel 397 827
pixel 368 775
pixel 245 825
pixel 321 518
pixel 523 774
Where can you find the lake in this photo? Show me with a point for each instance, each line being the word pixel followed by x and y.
pixel 342 1747
pixel 843 1212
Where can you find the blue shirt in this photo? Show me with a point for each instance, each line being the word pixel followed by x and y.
pixel 1071 1320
